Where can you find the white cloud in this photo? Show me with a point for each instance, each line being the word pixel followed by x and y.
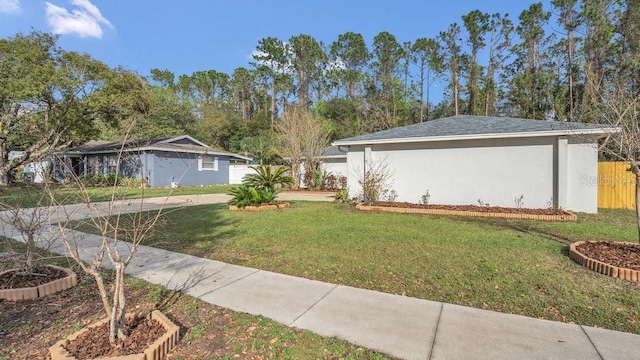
pixel 10 6
pixel 84 19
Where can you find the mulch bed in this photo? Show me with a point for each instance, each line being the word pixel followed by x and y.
pixel 94 343
pixel 310 191
pixel 40 275
pixel 617 254
pixel 471 208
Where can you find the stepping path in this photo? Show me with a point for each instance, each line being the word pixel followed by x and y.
pixel 400 326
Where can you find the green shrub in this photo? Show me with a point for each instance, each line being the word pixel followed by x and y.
pixel 341 196
pixel 102 180
pixel 266 177
pixel 130 182
pixel 244 195
pixel 259 188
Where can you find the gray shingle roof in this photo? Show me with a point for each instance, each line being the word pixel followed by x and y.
pixel 465 125
pixel 333 151
pixel 160 143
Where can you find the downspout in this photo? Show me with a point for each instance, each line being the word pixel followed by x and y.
pixel 560 190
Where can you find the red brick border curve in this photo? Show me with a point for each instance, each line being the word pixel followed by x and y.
pixel 35 292
pixel 601 267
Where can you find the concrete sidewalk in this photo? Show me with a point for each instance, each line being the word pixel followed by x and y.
pixel 400 326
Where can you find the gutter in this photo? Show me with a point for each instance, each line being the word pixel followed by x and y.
pixel 601 132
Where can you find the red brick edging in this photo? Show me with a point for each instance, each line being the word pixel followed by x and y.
pixel 155 351
pixel 35 292
pixel 600 267
pixel 261 207
pixel 561 217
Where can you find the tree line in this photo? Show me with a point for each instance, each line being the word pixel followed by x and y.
pixel 560 63
pixel 576 61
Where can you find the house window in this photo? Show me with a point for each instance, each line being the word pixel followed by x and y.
pixel 207 162
pixel 112 164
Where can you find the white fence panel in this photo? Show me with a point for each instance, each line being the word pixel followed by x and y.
pixel 238 172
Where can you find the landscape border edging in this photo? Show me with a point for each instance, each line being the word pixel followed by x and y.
pixel 601 267
pixel 566 217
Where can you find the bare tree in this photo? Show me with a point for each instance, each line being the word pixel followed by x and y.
pixel 622 109
pixel 374 181
pixel 122 225
pixel 25 212
pixel 302 137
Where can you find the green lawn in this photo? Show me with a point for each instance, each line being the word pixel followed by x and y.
pixel 510 266
pixel 29 196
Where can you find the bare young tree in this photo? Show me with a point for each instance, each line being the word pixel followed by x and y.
pixel 622 109
pixel 374 181
pixel 25 212
pixel 301 137
pixel 122 224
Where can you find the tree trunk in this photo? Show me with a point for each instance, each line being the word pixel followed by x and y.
pixel 637 173
pixel 101 289
pixel 273 103
pixel 30 250
pixel 117 321
pixel 4 159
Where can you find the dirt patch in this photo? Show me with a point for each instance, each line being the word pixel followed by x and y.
pixel 471 208
pixel 622 255
pixel 29 327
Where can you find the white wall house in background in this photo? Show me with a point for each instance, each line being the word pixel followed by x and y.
pixel 463 160
pixel 332 161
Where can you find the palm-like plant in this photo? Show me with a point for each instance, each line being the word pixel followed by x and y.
pixel 268 177
pixel 261 187
pixel 250 196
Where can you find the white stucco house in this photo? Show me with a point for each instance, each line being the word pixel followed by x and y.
pixel 463 160
pixel 333 160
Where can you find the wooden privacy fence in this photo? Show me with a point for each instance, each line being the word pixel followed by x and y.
pixel 616 186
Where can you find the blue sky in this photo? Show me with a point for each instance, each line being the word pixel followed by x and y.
pixel 191 35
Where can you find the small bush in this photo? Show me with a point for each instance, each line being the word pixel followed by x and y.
pixel 374 185
pixel 244 195
pixel 102 180
pixel 341 196
pixel 342 182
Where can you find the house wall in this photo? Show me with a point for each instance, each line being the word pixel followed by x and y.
pixel 495 171
pixel 582 175
pixel 335 166
pixel 183 168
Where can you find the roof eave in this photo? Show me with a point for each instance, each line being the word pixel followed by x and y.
pixel 599 132
pixel 159 148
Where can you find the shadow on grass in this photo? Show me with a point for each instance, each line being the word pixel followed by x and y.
pixel 520 226
pixel 206 227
